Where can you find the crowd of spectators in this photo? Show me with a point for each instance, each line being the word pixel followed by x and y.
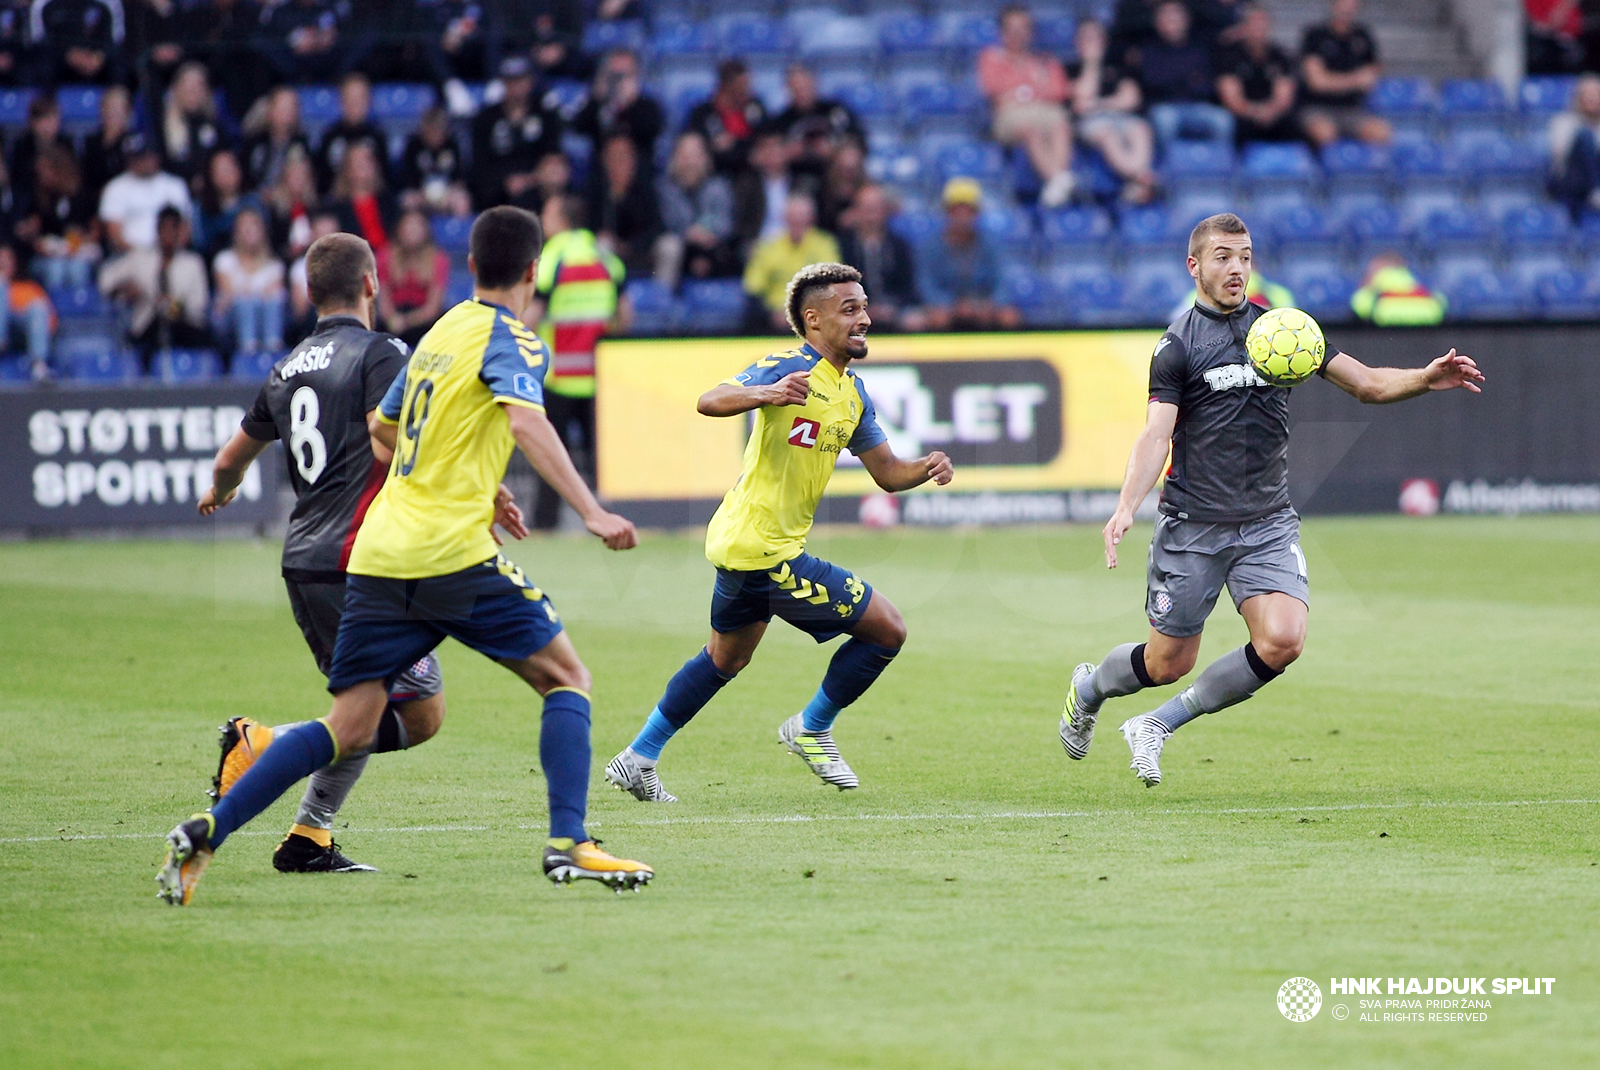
pixel 1169 69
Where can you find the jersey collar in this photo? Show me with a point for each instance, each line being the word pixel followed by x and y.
pixel 329 323
pixel 490 304
pixel 818 360
pixel 1218 314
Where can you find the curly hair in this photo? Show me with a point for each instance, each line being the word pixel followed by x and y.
pixel 807 282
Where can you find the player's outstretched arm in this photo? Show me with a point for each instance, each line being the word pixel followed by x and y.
pixel 1149 456
pixel 540 444
pixel 232 460
pixel 1381 386
pixel 894 474
pixel 726 399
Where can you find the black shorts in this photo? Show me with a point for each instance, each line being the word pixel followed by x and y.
pixel 317 608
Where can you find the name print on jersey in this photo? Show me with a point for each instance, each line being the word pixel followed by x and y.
pixel 314 358
pixel 1233 376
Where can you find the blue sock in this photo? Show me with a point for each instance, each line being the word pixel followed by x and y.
pixel 293 756
pixel 690 688
pixel 853 669
pixel 1178 710
pixel 564 753
pixel 654 735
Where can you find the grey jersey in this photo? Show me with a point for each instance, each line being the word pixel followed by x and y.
pixel 316 401
pixel 1230 449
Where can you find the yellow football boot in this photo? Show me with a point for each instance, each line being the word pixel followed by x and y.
pixel 566 861
pixel 243 740
pixel 188 854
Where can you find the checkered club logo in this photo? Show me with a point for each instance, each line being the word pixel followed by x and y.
pixel 1299 999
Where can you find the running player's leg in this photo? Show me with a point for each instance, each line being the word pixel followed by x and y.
pixel 739 616
pixel 874 641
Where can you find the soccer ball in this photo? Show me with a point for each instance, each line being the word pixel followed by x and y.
pixel 1285 346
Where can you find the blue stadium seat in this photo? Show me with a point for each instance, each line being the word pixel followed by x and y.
pixel 832 35
pixel 1547 94
pixel 746 36
pixel 681 37
pixel 252 367
pixel 745 8
pixel 1208 159
pixel 14 370
pixel 14 107
pixel 599 36
pixel 80 108
pixel 319 107
pixel 399 106
pixel 1480 97
pixel 458 289
pixel 970 159
pixel 683 92
pixel 450 232
pixel 1010 226
pixel 1355 165
pixel 1567 294
pixel 1393 97
pixel 653 307
pixel 906 34
pixel 1535 226
pixel 899 168
pixel 1377 229
pixel 1033 295
pixel 1420 163
pixel 1054 32
pixel 1455 227
pixel 869 100
pixel 1092 297
pixel 1190 207
pixel 916 227
pixel 1148 227
pixel 1155 287
pixel 1496 203
pixel 95 359
pixel 1491 154
pixel 1527 271
pixel 1475 290
pixel 1321 288
pixel 78 301
pixel 712 306
pixel 1277 165
pixel 965 32
pixel 1301 229
pixel 1077 226
pixel 1417 205
pixel 187 366
pixel 566 95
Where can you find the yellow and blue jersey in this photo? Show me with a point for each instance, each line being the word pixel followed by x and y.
pixel 433 514
pixel 765 518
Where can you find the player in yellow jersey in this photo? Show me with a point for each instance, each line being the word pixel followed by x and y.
pixel 425 566
pixel 809 405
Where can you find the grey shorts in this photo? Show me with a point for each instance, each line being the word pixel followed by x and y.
pixel 317 608
pixel 1191 560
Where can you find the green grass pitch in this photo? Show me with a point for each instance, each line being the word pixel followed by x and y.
pixel 1417 797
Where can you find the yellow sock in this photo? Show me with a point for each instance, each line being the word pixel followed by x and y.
pixel 321 837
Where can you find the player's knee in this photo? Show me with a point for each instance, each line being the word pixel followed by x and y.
pixel 422 718
pixel 885 628
pixel 1280 647
pixel 1170 668
pixel 575 676
pixel 730 662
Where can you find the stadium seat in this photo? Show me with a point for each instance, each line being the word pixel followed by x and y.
pixel 78 301
pixel 15 369
pixel 600 36
pixel 1207 159
pixel 1076 226
pixel 653 307
pixel 1321 288
pixel 95 359
pixel 681 37
pixel 450 233
pixel 1547 94
pixel 899 168
pixel 1402 97
pixel 906 35
pixel 1149 227
pixel 1054 33
pixel 187 366
pixel 1490 154
pixel 916 227
pixel 1190 207
pixel 1526 272
pixel 963 33
pixel 746 36
pixel 458 289
pixel 1267 165
pixel 566 95
pixel 319 107
pixel 1377 230
pixel 1567 294
pixel 970 159
pixel 14 108
pixel 712 306
pixel 1454 228
pixel 1478 97
pixel 1354 165
pixel 759 9
pixel 80 109
pixel 1422 164
pixel 1010 226
pixel 1300 230
pixel 1535 226
pixel 401 103
pixel 833 36
pixel 1091 297
pixel 1155 287
pixel 1475 291
pixel 252 367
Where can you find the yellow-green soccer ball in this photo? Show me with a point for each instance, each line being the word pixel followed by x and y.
pixel 1285 346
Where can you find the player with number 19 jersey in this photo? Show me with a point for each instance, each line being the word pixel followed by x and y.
pixel 433 515
pixel 316 402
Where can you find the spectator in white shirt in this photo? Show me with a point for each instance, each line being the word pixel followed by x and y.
pixel 164 288
pixel 133 199
pixel 250 287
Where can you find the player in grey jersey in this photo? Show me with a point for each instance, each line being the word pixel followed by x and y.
pixel 318 401
pixel 1225 512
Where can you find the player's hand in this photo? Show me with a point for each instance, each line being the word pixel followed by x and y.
pixel 1115 529
pixel 940 470
pixel 1453 370
pixel 210 502
pixel 615 531
pixel 508 515
pixel 792 389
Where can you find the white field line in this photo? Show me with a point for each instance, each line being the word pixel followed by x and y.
pixel 800 819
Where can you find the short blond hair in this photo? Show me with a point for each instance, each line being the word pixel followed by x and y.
pixel 807 282
pixel 1225 223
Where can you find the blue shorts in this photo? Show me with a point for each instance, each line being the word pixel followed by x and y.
pixel 389 624
pixel 819 598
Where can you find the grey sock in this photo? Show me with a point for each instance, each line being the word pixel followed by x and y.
pixel 1230 680
pixel 1178 710
pixel 328 789
pixel 1113 677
